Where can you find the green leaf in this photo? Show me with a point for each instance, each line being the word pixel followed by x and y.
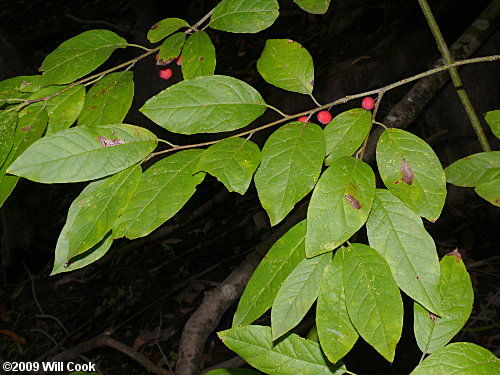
pixel 459 358
pixel 31 124
pixel 398 234
pixel 109 100
pixel 164 28
pixel 79 56
pixel 346 132
pixel 340 204
pixel 8 122
pixel 171 47
pixel 244 16
pixel 313 6
pixel 99 211
pixel 373 300
pixel 9 88
pixel 208 104
pixel 164 189
pixel 297 294
pixel 232 371
pixel 233 161
pixel 198 56
pixel 63 261
pixel 336 333
pixel 63 109
pixel 411 171
pixel 272 271
pixel 287 65
pixel 493 120
pixel 433 332
pixel 474 169
pixel 84 153
pixel 291 355
pixel 490 191
pixel 291 163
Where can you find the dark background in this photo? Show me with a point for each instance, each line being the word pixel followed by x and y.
pixel 144 286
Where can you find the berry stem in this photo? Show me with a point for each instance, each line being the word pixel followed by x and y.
pixel 455 77
pixel 374 114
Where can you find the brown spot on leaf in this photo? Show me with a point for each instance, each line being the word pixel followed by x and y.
pixel 155 26
pixel 290 41
pixel 433 317
pixel 286 66
pixel 312 82
pixel 352 201
pixel 201 58
pixel 467 158
pixel 407 173
pixel 418 277
pixel 93 107
pixel 455 253
pixel 106 142
pixel 26 128
pixel 81 203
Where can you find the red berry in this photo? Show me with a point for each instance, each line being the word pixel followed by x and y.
pixel 368 103
pixel 166 73
pixel 302 119
pixel 324 117
pixel 178 61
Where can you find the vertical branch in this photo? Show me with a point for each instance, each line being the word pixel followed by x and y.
pixel 455 77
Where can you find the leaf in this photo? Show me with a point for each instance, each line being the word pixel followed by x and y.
pixel 31 124
pixel 63 261
pixel 297 294
pixel 233 161
pixel 272 271
pixel 244 16
pixel 79 56
pixel 433 332
pixel 164 189
pixel 198 56
pixel 490 191
pixel 108 100
pixel 411 171
pixel 164 28
pixel 8 122
pixel 208 104
pixel 459 358
pixel 346 132
pixel 63 109
pixel 171 47
pixel 291 355
pixel 336 333
pixel 99 210
pixel 373 300
pixel 474 169
pixel 313 6
pixel 9 88
pixel 398 234
pixel 493 120
pixel 340 204
pixel 84 153
pixel 291 163
pixel 287 65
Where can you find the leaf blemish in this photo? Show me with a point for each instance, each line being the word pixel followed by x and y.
pixel 407 174
pixel 312 82
pixel 290 41
pixel 433 317
pixel 352 201
pixel 455 253
pixel 200 58
pixel 26 128
pixel 106 142
pixel 155 26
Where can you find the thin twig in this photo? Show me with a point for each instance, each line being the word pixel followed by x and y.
pixel 345 99
pixel 455 77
